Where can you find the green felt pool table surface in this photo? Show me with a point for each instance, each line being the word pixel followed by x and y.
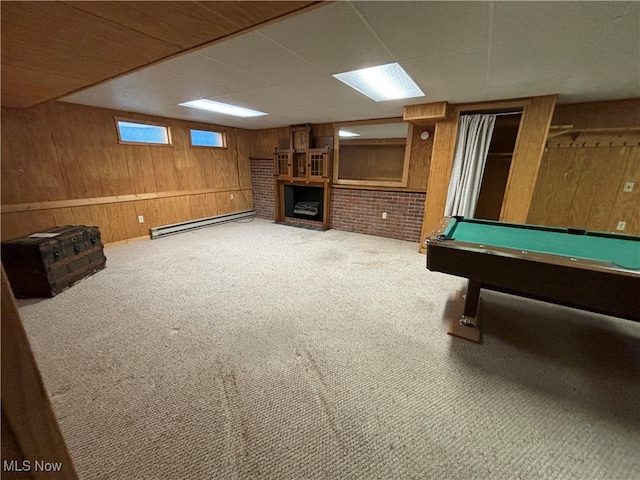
pixel 620 250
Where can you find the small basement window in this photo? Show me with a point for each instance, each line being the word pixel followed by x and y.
pixel 207 138
pixel 142 133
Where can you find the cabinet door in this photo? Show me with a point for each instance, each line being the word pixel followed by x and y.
pixel 283 163
pixel 318 166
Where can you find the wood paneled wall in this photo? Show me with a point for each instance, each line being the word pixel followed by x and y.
pixel 372 162
pixel 264 142
pixel 420 159
pixel 608 114
pixel 62 164
pixel 582 187
pixel 527 155
pixel 444 140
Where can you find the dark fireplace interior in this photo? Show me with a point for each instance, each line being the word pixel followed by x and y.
pixel 303 202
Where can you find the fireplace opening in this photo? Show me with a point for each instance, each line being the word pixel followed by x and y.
pixel 303 202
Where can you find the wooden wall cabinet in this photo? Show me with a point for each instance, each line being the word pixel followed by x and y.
pixel 283 163
pixel 318 165
pixel 312 165
pixel 300 161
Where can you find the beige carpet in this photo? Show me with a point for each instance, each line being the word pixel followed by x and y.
pixel 259 351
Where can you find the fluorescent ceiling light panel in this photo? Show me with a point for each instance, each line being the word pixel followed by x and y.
pixel 223 108
pixel 386 82
pixel 345 133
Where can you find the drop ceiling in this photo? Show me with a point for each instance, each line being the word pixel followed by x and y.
pixel 455 51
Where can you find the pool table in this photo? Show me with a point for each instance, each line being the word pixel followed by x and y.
pixel 593 271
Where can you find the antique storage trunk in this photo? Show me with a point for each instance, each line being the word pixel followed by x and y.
pixel 46 263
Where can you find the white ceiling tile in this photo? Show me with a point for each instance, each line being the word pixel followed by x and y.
pixel 197 67
pixel 262 57
pixel 458 76
pixel 585 51
pixel 146 89
pixel 593 88
pixel 547 86
pixel 328 97
pixel 574 88
pixel 521 19
pixel 582 51
pixel 296 94
pixel 416 29
pixel 184 113
pixel 333 38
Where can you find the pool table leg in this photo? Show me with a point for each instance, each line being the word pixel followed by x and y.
pixel 463 322
pixel 471 304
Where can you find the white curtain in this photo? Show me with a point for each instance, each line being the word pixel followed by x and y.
pixel 472 146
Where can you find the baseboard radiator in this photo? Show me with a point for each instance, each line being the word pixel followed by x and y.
pixel 158 232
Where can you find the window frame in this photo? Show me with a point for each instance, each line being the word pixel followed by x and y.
pixel 223 133
pixel 143 122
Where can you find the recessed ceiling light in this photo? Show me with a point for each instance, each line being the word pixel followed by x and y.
pixel 223 108
pixel 386 82
pixel 346 133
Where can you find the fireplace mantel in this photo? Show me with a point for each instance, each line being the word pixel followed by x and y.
pixel 298 164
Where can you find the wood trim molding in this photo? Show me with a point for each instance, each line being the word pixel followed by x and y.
pixel 25 403
pixel 444 144
pixel 336 153
pixel 494 105
pixel 128 240
pixel 81 202
pixel 407 154
pixel 527 156
pixel 166 126
pixel 375 121
pixel 374 141
pixel 371 183
pixel 425 114
pixel 379 189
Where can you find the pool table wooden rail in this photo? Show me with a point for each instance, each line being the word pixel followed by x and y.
pixel 579 283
